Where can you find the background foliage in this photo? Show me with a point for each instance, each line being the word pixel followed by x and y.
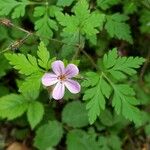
pixel 109 41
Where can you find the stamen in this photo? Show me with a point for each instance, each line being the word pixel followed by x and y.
pixel 61 77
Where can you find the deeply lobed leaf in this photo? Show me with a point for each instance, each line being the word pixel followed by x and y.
pixel 18 8
pixel 119 67
pixel 117 27
pixel 26 65
pixel 96 97
pixel 100 87
pixel 44 56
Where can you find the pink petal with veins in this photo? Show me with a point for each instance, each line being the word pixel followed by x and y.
pixel 49 79
pixel 71 70
pixel 58 91
pixel 58 67
pixel 73 86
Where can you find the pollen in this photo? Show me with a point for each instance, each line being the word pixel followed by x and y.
pixel 62 77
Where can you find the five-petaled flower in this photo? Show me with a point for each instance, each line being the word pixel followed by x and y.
pixel 61 78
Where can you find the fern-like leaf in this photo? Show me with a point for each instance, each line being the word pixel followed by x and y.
pixel 26 65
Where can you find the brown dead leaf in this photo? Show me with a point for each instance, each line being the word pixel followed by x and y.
pixel 17 146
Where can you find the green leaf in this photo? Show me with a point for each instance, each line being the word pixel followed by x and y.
pixel 18 8
pixel 53 9
pixel 107 118
pixel 116 27
pixel 83 21
pixel 105 4
pixel 69 49
pixel 125 102
pixel 78 119
pixel 5 65
pixel 110 58
pixel 97 20
pixel 44 25
pixel 124 99
pixel 25 65
pixel 115 142
pixel 35 113
pixel 130 7
pixel 12 106
pixel 99 87
pixel 7 6
pixel 81 10
pixel 92 79
pixel 145 21
pixel 81 139
pixel 3 90
pixel 39 11
pixel 30 88
pixel 111 142
pixel 141 94
pixel 44 56
pixel 48 135
pixel 64 2
pixel 96 97
pixel 119 67
pixel 69 22
pixel 3 32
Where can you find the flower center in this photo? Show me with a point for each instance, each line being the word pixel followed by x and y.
pixel 62 77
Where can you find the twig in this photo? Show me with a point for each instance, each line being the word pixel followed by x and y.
pixel 16 44
pixel 5 22
pixel 8 23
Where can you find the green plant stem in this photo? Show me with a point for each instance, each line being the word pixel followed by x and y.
pixel 79 48
pixel 90 59
pixel 5 50
pixel 21 29
pixel 76 53
pixel 37 3
pixel 111 83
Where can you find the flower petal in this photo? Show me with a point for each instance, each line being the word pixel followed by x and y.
pixel 49 79
pixel 71 70
pixel 58 67
pixel 58 91
pixel 72 86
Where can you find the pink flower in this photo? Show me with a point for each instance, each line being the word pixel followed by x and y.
pixel 61 78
